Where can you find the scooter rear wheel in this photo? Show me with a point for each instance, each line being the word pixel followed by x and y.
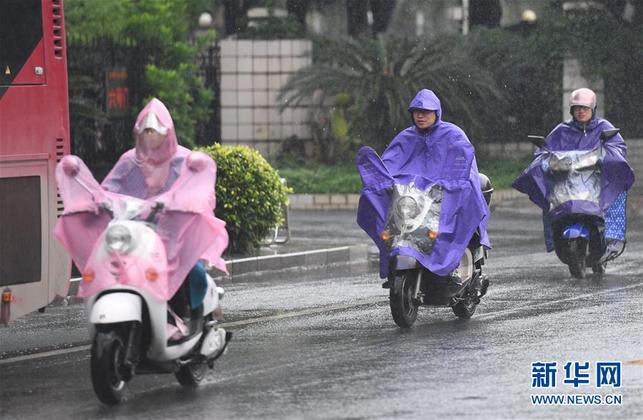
pixel 403 308
pixel 577 250
pixel 107 356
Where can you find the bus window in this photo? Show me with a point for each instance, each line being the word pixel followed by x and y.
pixel 20 32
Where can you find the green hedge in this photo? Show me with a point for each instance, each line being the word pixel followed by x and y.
pixel 344 178
pixel 250 195
pixel 322 179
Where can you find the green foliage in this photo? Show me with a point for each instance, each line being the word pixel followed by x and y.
pixel 250 195
pixel 382 75
pixel 174 89
pixel 527 69
pixel 331 131
pixel 502 172
pixel 344 178
pixel 160 31
pixel 322 179
pixel 609 47
pixel 274 28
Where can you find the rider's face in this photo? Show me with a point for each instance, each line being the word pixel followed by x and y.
pixel 424 118
pixel 152 138
pixel 582 114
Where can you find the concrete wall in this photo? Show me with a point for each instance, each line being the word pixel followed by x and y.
pixel 252 74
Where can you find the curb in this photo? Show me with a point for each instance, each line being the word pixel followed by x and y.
pixel 309 261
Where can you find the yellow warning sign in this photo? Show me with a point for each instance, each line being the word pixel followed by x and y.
pixel 7 71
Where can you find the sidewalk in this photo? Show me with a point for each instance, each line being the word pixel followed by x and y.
pixel 318 238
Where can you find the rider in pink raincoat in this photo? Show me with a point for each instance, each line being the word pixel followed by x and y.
pixel 149 172
pixel 151 169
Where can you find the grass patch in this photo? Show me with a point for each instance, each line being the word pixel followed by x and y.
pixel 344 179
pixel 502 172
pixel 321 179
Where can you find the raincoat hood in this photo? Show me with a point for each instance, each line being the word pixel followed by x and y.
pixel 146 171
pixel 155 115
pixel 426 99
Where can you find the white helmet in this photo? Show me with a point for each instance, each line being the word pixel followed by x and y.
pixel 582 97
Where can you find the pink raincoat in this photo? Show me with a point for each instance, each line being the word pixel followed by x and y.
pixel 187 226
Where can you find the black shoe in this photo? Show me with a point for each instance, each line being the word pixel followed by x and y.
pixel 386 285
pixel 484 285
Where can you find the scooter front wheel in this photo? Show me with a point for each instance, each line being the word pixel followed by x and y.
pixel 466 308
pixel 107 356
pixel 192 374
pixel 403 307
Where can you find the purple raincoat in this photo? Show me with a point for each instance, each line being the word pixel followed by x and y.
pixel 616 175
pixel 442 155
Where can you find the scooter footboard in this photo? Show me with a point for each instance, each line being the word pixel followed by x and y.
pixel 116 307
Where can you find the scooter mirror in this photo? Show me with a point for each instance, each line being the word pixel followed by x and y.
pixel 70 165
pixel 538 141
pixel 608 134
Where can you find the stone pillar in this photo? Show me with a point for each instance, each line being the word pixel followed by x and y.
pixel 252 75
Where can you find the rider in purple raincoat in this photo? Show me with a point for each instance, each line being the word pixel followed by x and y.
pixel 583 132
pixel 431 151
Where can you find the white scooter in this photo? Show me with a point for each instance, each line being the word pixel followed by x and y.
pixel 127 280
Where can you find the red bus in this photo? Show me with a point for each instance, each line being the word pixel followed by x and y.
pixel 34 135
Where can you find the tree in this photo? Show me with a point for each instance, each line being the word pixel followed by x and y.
pixel 159 32
pixel 382 75
pixel 608 46
pixel 298 9
pixel 356 15
pixel 234 14
pixel 485 13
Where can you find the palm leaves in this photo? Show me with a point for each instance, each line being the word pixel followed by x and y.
pixel 382 75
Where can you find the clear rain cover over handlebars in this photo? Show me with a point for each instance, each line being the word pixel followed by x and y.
pixel 412 215
pixel 574 175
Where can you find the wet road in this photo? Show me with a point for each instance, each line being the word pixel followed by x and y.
pixel 327 347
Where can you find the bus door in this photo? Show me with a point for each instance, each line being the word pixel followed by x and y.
pixel 34 136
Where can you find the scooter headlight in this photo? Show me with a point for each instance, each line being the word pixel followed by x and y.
pixel 407 207
pixel 119 239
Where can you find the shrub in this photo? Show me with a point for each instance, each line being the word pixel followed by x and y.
pixel 250 195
